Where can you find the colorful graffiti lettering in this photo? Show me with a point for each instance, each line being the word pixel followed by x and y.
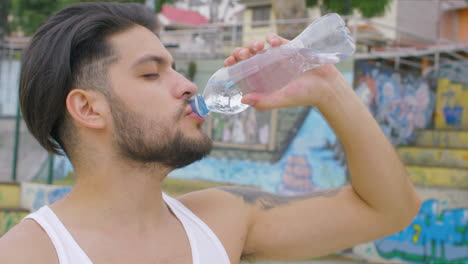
pixel 432 237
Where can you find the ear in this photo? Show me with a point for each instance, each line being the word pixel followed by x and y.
pixel 87 108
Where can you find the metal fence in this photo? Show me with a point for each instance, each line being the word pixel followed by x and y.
pixel 218 40
pixel 21 156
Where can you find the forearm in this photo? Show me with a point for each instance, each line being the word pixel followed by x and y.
pixel 377 174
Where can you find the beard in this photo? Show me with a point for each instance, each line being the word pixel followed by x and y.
pixel 149 141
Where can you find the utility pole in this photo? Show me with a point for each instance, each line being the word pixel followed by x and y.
pixel 347 10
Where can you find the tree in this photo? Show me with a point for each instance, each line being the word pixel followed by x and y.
pixel 29 15
pixel 367 8
pixel 3 19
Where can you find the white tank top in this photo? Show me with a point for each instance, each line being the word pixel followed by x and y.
pixel 206 247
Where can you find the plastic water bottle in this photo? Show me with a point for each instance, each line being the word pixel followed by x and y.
pixel 325 41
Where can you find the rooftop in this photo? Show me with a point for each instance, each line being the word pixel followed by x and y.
pixel 180 17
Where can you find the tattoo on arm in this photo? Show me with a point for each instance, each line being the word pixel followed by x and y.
pixel 269 201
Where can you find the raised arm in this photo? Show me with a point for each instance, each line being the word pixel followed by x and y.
pixel 380 201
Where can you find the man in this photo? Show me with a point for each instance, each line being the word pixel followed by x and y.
pixel 97 82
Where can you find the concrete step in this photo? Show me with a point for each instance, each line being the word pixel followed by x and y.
pixel 10 195
pixel 442 138
pixel 439 176
pixel 436 157
pixel 9 217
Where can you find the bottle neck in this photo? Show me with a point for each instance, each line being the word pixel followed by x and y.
pixel 199 106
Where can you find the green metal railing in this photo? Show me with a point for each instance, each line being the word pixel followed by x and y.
pixel 16 145
pixel 14 166
pixel 7 55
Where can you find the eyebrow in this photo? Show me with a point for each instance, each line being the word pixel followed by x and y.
pixel 152 58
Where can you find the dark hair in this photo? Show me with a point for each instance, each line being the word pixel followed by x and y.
pixel 54 62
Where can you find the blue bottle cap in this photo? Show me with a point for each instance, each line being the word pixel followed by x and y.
pixel 199 106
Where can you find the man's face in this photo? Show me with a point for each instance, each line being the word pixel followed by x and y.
pixel 152 121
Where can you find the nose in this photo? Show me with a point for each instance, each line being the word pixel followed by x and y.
pixel 184 88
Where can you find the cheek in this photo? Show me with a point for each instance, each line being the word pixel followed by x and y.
pixel 144 98
pixel 149 99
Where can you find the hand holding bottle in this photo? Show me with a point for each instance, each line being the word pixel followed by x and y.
pixel 312 87
pixel 326 41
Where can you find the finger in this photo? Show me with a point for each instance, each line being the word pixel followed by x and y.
pixel 274 40
pixel 240 54
pixel 235 52
pixel 256 46
pixel 243 54
pixel 229 61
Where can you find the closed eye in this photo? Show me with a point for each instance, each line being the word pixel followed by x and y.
pixel 151 76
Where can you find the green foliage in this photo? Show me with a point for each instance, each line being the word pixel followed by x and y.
pixel 367 8
pixel 192 70
pixel 160 3
pixel 29 15
pixel 311 3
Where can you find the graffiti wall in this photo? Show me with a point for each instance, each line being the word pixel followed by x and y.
pixel 401 102
pixel 432 237
pixel 452 105
pixel 309 163
pixel 315 159
pixel 439 234
pixel 34 196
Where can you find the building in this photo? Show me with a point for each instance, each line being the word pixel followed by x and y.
pixel 443 20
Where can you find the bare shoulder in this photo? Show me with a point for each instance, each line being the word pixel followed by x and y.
pixel 227 215
pixel 220 199
pixel 27 242
pixel 212 201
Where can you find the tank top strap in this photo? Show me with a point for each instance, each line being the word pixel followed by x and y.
pixel 68 251
pixel 206 246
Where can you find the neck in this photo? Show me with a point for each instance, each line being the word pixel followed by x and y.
pixel 119 192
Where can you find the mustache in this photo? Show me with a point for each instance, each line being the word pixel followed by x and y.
pixel 181 112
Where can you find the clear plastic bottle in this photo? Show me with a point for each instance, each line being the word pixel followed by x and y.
pixel 325 41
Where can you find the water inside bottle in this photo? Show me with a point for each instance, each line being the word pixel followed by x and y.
pixel 225 96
